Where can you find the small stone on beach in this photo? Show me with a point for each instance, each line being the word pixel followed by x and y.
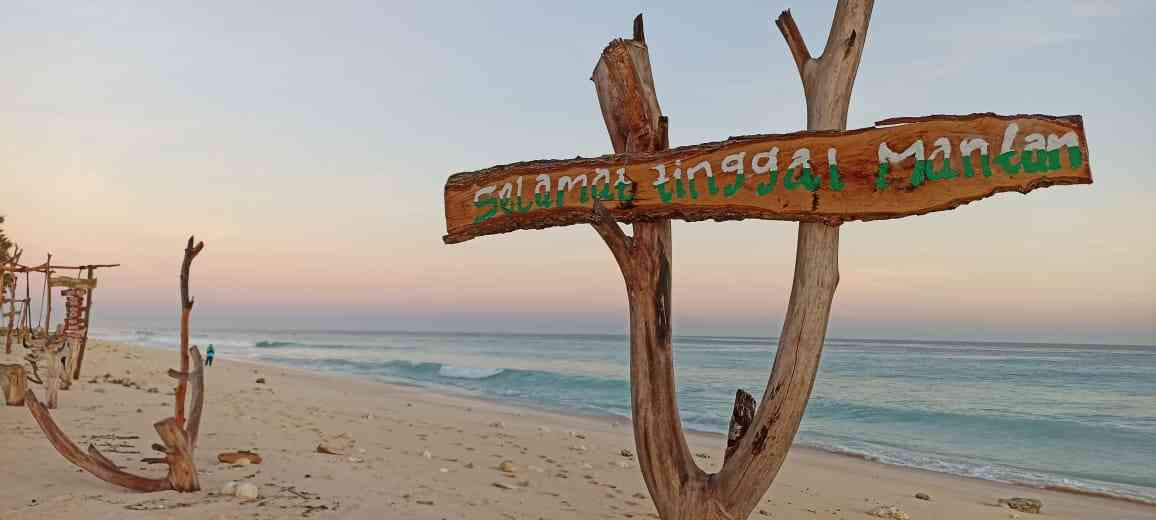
pixel 248 491
pixel 507 467
pixel 892 512
pixel 1026 505
pixel 923 496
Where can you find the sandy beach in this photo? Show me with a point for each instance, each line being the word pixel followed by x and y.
pixel 407 452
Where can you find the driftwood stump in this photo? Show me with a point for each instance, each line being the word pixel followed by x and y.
pixel 760 436
pixel 182 475
pixel 14 383
pixel 54 353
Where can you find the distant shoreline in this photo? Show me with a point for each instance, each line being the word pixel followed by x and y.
pixel 624 336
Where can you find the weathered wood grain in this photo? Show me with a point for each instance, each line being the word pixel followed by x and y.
pixel 744 180
pixel 634 121
pixel 827 84
pixel 191 252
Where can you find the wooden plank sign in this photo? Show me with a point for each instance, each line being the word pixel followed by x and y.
pixel 900 167
pixel 72 283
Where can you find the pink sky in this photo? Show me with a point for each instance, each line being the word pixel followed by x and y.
pixel 312 166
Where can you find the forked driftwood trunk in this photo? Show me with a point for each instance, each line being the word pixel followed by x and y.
pixel 759 437
pixel 178 438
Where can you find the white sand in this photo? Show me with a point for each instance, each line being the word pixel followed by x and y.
pixel 383 430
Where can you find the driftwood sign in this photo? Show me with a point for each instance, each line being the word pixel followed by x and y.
pixel 72 283
pixel 900 167
pixel 822 177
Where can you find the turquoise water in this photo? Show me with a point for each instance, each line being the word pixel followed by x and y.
pixel 1082 416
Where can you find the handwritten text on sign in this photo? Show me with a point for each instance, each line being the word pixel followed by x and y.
pixel 914 166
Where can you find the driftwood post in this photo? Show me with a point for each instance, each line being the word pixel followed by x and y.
pixel 7 295
pixel 47 295
pixel 87 320
pixel 3 300
pixel 55 353
pixel 827 82
pixel 681 490
pixel 16 318
pixel 625 87
pixel 191 252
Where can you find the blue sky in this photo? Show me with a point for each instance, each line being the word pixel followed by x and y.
pixel 308 143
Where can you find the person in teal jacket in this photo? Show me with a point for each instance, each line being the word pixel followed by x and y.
pixel 209 356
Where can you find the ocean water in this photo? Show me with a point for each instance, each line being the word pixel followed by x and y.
pixel 1076 416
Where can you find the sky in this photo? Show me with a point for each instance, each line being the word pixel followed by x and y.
pixel 308 143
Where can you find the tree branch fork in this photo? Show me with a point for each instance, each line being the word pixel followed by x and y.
pixel 760 434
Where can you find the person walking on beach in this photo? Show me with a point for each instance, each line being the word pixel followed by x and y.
pixel 209 355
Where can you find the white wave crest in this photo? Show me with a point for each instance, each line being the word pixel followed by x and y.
pixel 468 372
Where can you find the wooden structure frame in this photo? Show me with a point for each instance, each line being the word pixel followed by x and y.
pixel 178 435
pixel 78 308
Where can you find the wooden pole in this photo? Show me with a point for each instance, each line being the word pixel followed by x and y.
pixel 3 292
pixel 11 311
pixel 47 295
pixel 191 252
pixel 827 82
pixel 87 315
pixel 626 93
pixel 759 438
